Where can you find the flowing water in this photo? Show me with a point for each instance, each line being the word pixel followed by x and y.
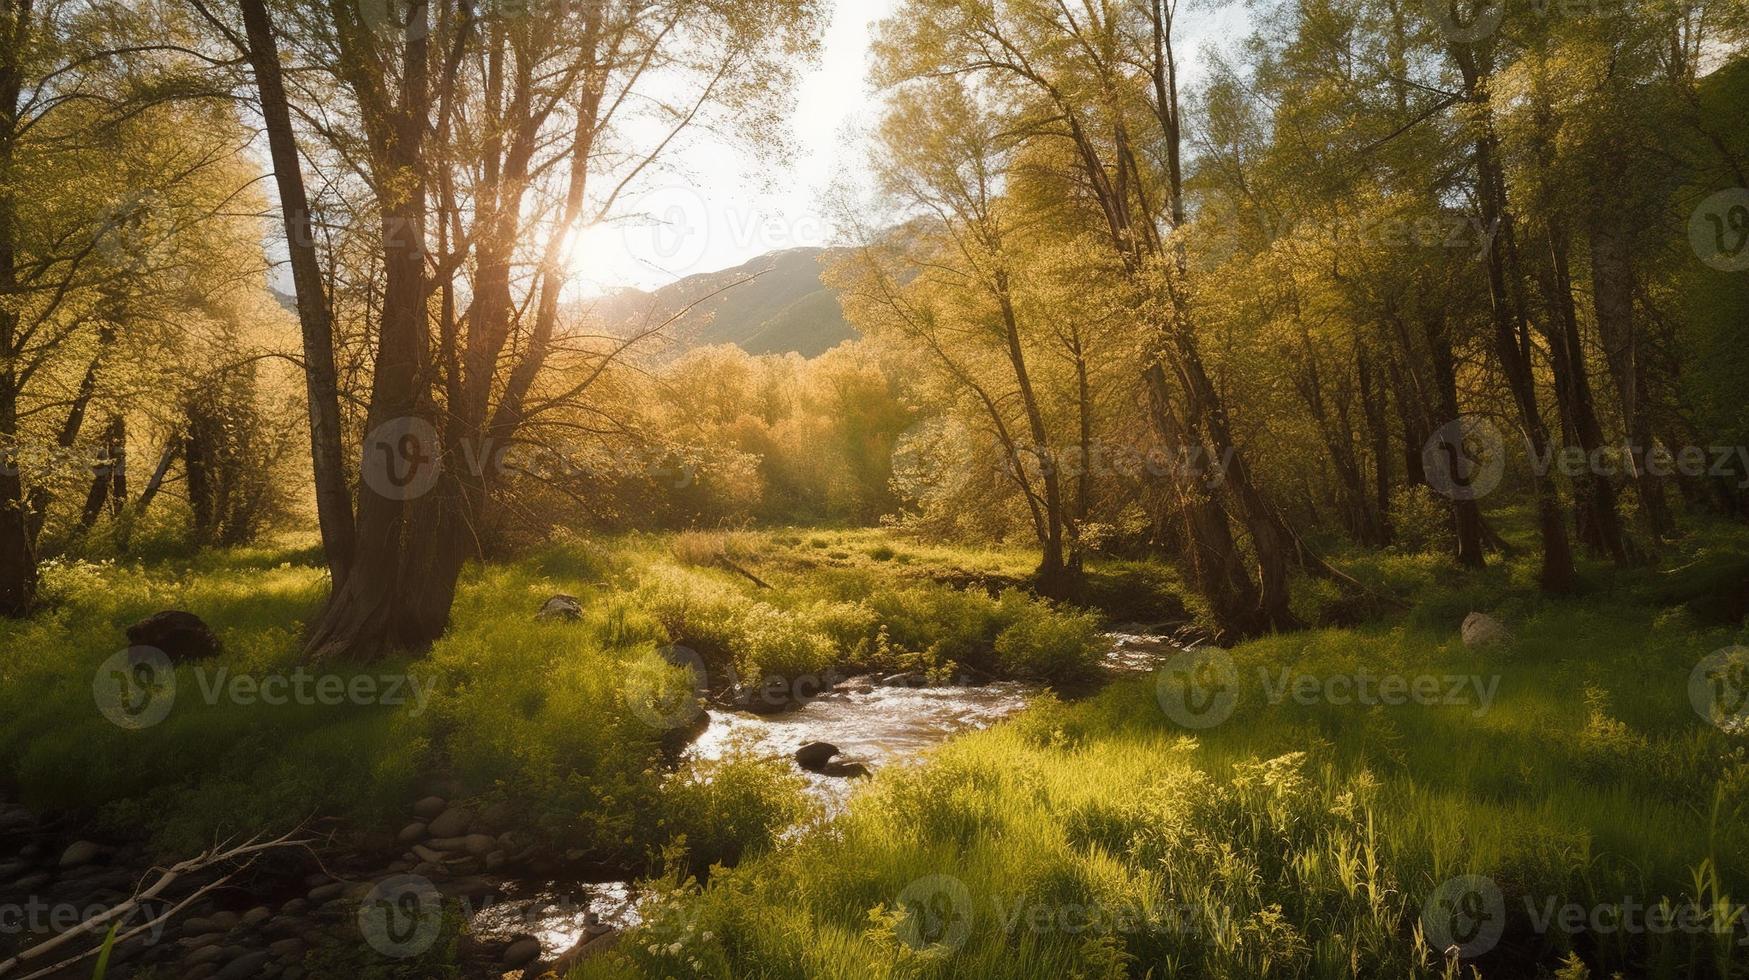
pixel 869 723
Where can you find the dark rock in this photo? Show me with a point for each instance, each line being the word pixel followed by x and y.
pixel 183 636
pixel 495 819
pixel 815 756
pixel 80 853
pixel 430 807
pixel 30 883
pixel 288 949
pixel 453 822
pixel 560 609
pixel 521 953
pixel 244 967
pixel 676 740
pixel 413 833
pixel 846 770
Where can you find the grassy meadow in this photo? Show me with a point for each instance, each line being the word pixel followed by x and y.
pixel 1304 837
pixel 1301 830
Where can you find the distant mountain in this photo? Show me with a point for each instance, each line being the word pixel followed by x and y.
pixel 775 304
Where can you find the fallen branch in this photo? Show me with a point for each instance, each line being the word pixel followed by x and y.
pixel 245 852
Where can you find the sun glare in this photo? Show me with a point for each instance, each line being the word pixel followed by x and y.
pixel 594 256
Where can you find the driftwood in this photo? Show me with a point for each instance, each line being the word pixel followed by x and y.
pixel 98 926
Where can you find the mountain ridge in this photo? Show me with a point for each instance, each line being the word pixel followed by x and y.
pixel 774 303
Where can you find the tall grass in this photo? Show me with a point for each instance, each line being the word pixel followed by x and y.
pixel 1298 837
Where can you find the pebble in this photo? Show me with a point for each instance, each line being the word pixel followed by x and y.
pixel 430 807
pixel 244 967
pixel 80 853
pixel 322 893
pixel 479 845
pixel 288 949
pixel 413 833
pixel 30 883
pixel 205 954
pixel 257 916
pixel 225 920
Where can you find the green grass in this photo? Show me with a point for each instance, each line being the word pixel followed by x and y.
pixel 1103 839
pixel 554 719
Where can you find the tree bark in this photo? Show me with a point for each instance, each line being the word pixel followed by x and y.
pixel 1612 292
pixel 367 615
pixel 1511 332
pixel 321 380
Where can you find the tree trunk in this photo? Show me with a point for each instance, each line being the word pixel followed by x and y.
pixel 1593 490
pixel 1511 338
pixel 108 475
pixel 1466 513
pixel 1375 403
pixel 1211 557
pixel 367 615
pixel 321 384
pixel 1612 292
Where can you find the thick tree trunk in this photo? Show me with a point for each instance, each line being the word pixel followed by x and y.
pixel 321 384
pixel 18 571
pixel 1211 557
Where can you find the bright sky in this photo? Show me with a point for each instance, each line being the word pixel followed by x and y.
pixel 727 207
pixel 724 214
pixel 733 212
